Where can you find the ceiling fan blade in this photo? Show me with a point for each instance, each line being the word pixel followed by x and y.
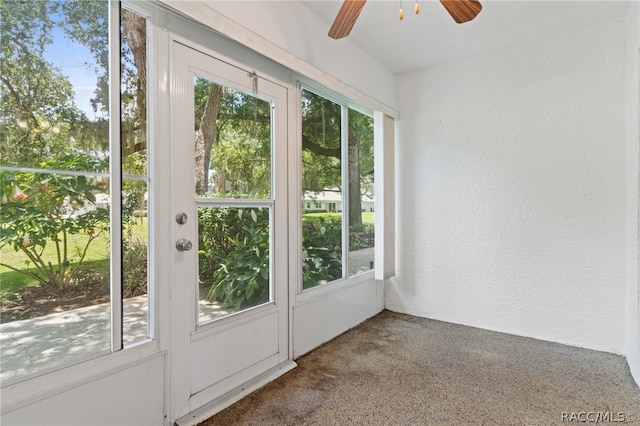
pixel 462 10
pixel 346 17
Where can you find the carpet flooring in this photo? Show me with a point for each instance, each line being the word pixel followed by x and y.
pixel 396 369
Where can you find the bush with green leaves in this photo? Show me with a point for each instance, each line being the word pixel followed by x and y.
pixel 322 251
pixel 233 254
pixel 243 277
pixel 46 208
pixel 134 267
pixel 215 226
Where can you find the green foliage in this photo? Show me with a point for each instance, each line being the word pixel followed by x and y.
pixel 242 280
pixel 86 21
pixel 134 267
pixel 39 117
pixel 215 225
pixel 47 208
pixel 51 220
pixel 241 148
pixel 234 254
pixel 322 251
pixel 321 143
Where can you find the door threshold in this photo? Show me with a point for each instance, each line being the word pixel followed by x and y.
pixel 203 413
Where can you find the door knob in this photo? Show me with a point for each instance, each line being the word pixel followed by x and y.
pixel 184 245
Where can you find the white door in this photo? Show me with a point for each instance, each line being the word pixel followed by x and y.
pixel 229 301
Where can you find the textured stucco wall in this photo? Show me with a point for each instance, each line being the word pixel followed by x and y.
pixel 511 191
pixel 632 82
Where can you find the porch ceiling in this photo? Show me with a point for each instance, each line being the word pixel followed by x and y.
pixel 433 37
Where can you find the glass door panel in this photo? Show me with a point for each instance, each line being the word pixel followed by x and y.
pixel 232 185
pixel 233 142
pixel 234 271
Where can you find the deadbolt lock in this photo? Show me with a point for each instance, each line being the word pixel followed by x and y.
pixel 181 218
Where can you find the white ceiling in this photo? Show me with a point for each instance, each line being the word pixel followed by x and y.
pixel 433 37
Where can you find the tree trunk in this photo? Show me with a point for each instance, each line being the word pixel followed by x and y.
pixel 206 137
pixel 355 204
pixel 135 32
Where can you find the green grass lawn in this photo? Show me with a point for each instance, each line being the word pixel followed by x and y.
pixel 367 217
pixel 97 258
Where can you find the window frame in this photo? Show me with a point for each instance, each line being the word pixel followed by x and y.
pixel 118 354
pixel 346 104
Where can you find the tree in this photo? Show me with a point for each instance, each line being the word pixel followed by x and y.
pixel 41 126
pixel 360 142
pixel 134 82
pixel 321 149
pixel 86 21
pixel 38 115
pixel 322 153
pixel 205 136
pixel 233 138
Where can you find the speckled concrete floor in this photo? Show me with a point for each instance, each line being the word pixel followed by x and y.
pixel 401 370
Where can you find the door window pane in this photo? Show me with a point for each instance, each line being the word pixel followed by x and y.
pixel 233 150
pixel 233 143
pixel 234 266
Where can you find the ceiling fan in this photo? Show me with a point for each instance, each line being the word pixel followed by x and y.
pixel 460 10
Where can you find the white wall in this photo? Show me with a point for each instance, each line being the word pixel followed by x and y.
pixel 122 396
pixel 325 313
pixel 511 191
pixel 633 173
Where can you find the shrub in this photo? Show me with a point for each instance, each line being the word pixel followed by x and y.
pixel 322 251
pixel 233 254
pixel 134 267
pixel 243 277
pixel 46 208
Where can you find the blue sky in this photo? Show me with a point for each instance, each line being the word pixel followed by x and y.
pixel 77 63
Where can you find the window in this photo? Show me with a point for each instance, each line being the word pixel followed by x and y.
pixel 135 177
pixel 59 172
pixel 337 172
pixel 234 191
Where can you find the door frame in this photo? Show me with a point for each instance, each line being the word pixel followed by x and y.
pixel 191 408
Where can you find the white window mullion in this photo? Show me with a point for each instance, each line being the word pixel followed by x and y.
pixel 344 160
pixel 116 176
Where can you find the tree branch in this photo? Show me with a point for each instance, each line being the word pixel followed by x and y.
pixel 319 149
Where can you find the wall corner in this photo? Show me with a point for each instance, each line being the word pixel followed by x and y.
pixel 632 126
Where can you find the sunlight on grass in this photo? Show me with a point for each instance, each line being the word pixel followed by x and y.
pixel 97 257
pixel 367 217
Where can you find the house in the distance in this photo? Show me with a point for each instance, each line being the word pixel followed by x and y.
pixel 330 201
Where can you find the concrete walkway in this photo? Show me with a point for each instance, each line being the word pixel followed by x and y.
pixel 31 345
pixel 361 260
